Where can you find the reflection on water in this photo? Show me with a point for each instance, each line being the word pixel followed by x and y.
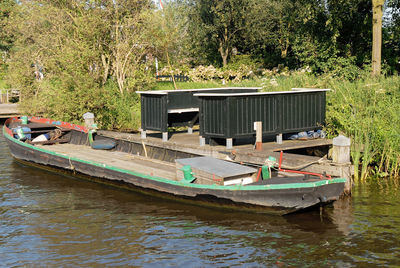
pixel 51 220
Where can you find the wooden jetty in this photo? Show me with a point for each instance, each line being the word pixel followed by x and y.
pixel 8 110
pixel 235 114
pixel 186 143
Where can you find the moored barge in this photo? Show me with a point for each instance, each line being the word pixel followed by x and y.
pixel 202 180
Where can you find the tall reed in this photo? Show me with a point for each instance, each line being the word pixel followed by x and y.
pixel 367 110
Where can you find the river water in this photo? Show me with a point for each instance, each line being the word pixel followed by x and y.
pixel 49 220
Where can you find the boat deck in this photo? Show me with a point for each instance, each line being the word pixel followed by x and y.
pixel 246 153
pixel 116 159
pixel 140 164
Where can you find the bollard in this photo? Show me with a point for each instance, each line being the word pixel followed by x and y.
pixel 187 173
pixel 89 120
pixel 341 155
pixel 341 149
pixel 24 120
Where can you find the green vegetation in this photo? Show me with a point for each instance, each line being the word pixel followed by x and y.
pixel 70 57
pixel 367 110
pixel 3 84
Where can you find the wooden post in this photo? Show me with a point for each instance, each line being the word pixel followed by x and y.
pixel 143 134
pixel 341 150
pixel 341 155
pixel 377 14
pixel 258 129
pixel 165 136
pixel 229 143
pixel 279 138
pixel 202 141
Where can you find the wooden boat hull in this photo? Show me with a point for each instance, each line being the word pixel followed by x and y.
pixel 276 199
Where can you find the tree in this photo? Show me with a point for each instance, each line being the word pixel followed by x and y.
pixel 166 30
pixel 128 46
pixel 6 7
pixel 6 38
pixel 269 27
pixel 377 11
pixel 217 25
pixel 79 48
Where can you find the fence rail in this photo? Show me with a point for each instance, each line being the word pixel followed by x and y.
pixel 168 78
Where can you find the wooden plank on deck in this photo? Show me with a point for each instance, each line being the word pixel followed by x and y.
pixel 116 159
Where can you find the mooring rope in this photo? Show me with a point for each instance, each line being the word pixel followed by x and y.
pixel 71 166
pixel 144 148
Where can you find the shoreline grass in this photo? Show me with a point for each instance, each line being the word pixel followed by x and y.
pixel 366 110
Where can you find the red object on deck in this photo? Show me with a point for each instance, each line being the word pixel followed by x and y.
pixel 300 172
pixel 258 146
pixel 258 175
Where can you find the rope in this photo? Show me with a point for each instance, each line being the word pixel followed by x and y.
pixel 144 148
pixel 319 161
pixel 55 134
pixel 71 166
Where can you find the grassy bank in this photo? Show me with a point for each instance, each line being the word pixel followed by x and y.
pixel 366 110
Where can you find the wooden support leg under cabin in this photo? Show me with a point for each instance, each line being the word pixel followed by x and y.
pixel 229 143
pixel 143 134
pixel 279 138
pixel 165 136
pixel 191 124
pixel 202 141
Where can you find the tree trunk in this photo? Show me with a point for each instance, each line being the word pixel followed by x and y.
pixel 284 47
pixel 224 47
pixel 284 39
pixel 377 11
pixel 106 65
pixel 224 56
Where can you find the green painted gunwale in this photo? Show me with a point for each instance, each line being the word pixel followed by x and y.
pixel 182 183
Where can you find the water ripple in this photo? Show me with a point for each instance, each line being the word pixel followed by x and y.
pixel 53 220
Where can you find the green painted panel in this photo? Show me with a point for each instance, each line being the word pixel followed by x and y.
pixel 279 113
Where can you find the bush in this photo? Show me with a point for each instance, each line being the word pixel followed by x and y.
pixel 367 111
pixel 203 73
pixel 120 112
pixel 342 68
pixel 238 61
